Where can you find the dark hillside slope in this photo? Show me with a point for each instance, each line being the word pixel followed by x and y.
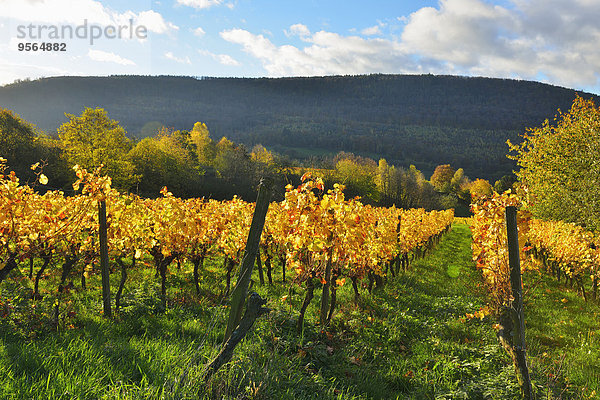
pixel 408 119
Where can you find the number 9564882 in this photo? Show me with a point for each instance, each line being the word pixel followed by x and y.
pixel 44 46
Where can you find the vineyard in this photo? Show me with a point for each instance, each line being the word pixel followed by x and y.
pixel 313 235
pixel 559 249
pixel 384 299
pixel 563 250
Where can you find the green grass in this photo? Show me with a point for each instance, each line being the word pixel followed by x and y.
pixel 563 335
pixel 408 341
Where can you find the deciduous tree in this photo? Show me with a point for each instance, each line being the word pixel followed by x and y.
pixel 480 187
pixel 93 139
pixel 560 165
pixel 205 146
pixel 442 177
pixel 17 139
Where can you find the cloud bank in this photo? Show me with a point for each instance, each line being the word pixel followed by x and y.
pixel 94 12
pixel 104 56
pixel 548 40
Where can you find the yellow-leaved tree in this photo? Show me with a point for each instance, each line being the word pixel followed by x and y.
pixel 560 165
pixel 93 139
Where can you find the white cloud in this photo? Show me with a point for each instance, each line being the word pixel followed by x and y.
pixel 534 38
pixel 298 30
pixel 459 32
pixel 198 31
pixel 224 59
pixel 527 39
pixel 13 71
pixel 99 55
pixel 172 57
pixel 56 11
pixel 78 12
pixel 203 3
pixel 154 22
pixel 371 31
pixel 326 53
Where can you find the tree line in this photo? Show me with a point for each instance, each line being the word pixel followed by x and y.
pixel 421 120
pixel 191 163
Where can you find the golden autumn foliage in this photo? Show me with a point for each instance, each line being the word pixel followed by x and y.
pixel 310 227
pixel 559 165
pixel 490 250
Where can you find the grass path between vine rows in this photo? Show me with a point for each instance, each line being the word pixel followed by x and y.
pixel 431 349
pixel 411 340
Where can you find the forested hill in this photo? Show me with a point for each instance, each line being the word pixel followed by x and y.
pixel 408 119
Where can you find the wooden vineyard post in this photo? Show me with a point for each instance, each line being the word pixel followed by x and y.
pixel 513 339
pixel 238 296
pixel 254 310
pixel 103 233
pixel 326 287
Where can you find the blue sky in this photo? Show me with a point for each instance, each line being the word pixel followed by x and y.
pixel 553 41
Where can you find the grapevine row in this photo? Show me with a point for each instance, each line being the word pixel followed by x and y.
pixel 566 250
pixel 562 249
pixel 316 234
